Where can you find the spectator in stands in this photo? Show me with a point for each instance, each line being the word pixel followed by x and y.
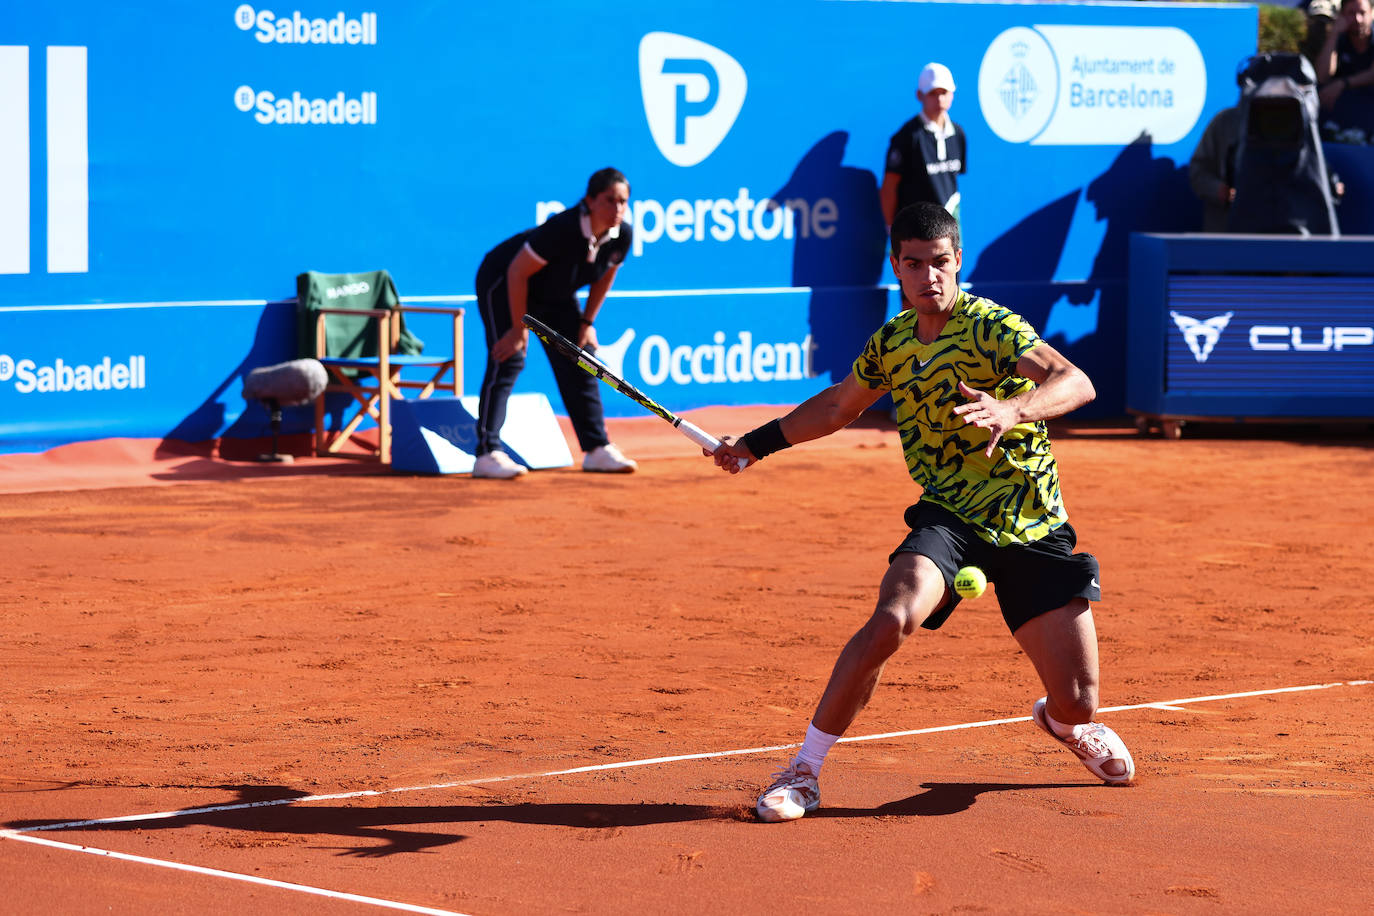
pixel 1345 62
pixel 1320 15
pixel 927 154
pixel 1212 170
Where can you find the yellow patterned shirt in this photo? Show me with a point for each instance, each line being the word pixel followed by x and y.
pixel 1012 497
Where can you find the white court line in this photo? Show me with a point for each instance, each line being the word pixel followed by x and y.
pixel 460 298
pixel 626 764
pixel 233 876
pixel 98 306
pixel 1157 704
pixel 22 834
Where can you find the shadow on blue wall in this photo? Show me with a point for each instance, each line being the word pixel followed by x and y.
pixel 842 271
pixel 1086 319
pixel 1025 258
pixel 224 413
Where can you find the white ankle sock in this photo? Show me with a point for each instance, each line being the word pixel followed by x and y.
pixel 1060 729
pixel 815 747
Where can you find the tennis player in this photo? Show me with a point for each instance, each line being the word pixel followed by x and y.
pixel 973 386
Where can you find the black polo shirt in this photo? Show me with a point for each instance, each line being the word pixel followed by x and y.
pixel 914 154
pixel 1349 61
pixel 572 257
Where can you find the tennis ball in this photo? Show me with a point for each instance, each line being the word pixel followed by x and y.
pixel 969 582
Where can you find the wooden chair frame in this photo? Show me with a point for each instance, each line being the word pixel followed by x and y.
pixel 373 400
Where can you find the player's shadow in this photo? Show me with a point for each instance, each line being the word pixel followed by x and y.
pixel 381 830
pixel 943 798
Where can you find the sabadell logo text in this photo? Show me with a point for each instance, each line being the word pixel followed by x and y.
pixel 296 28
pixel 270 108
pixel 107 374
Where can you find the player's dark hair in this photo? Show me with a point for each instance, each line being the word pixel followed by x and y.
pixel 602 179
pixel 924 221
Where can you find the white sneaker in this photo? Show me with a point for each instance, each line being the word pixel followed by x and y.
pixel 1099 748
pixel 795 791
pixel 497 465
pixel 607 459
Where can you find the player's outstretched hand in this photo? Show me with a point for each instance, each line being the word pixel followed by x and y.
pixel 731 455
pixel 986 412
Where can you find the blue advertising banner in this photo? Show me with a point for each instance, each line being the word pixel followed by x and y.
pixel 1251 327
pixel 1259 345
pixel 186 155
pixel 173 371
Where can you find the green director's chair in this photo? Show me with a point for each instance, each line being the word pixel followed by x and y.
pixel 354 324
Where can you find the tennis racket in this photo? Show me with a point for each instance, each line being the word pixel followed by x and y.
pixel 596 367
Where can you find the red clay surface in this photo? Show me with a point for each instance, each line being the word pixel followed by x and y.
pixel 329 628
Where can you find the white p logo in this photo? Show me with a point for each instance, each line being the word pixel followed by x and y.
pixel 692 94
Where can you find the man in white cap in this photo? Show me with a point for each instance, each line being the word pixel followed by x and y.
pixel 929 152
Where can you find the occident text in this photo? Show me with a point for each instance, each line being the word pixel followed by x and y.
pixel 741 361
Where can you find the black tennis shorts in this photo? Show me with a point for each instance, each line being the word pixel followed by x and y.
pixel 1031 579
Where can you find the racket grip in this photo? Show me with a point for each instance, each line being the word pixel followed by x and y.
pixel 702 437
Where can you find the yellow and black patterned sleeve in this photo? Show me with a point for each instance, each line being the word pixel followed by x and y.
pixel 1012 338
pixel 869 369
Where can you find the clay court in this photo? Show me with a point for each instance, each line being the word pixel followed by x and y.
pixel 327 688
